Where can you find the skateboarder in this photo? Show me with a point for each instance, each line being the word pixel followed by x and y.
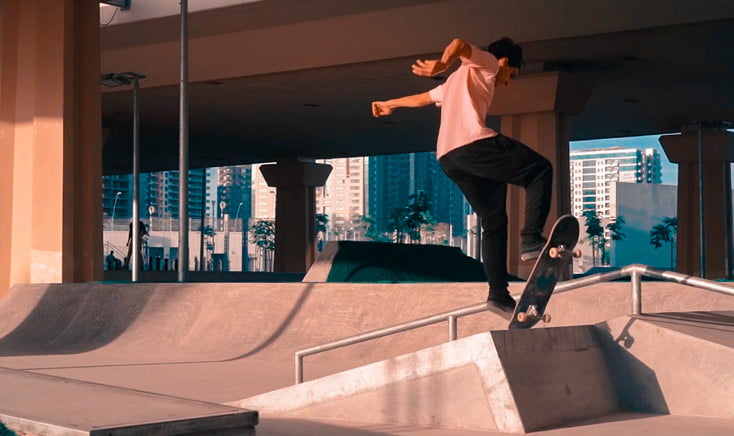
pixel 478 159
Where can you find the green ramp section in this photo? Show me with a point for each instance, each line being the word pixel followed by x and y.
pixel 387 262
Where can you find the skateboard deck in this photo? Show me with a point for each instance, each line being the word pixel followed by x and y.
pixel 549 267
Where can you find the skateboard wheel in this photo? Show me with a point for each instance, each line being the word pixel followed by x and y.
pixel 522 317
pixel 577 253
pixel 554 252
pixel 547 318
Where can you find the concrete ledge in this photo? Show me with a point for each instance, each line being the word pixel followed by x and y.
pixel 512 381
pixel 58 406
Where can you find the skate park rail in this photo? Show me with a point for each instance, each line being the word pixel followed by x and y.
pixel 635 272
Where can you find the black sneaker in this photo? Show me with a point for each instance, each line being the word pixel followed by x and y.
pixel 532 250
pixel 503 302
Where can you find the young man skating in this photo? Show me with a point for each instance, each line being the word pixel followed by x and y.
pixel 478 159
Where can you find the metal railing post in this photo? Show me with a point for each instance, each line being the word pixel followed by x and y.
pixel 299 368
pixel 452 327
pixel 636 281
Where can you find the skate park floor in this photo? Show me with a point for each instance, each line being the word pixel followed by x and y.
pixel 220 342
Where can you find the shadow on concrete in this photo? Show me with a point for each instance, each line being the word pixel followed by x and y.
pixel 725 319
pixel 77 319
pixel 72 319
pixel 635 383
pixel 294 426
pixel 281 328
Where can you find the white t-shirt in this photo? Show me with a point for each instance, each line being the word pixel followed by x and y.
pixel 464 100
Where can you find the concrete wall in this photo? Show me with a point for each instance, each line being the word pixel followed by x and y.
pixel 642 206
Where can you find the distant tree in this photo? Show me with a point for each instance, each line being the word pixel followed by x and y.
pixel 322 220
pixel 666 232
pixel 396 224
pixel 614 227
pixel 369 229
pixel 407 221
pixel 595 233
pixel 418 215
pixel 263 235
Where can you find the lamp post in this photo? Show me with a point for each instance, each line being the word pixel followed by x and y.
pixel 112 80
pixel 242 233
pixel 237 215
pixel 114 206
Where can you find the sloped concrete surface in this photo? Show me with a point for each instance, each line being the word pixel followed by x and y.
pixel 512 380
pixel 673 363
pixel 223 342
pixel 54 405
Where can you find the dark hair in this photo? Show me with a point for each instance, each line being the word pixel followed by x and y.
pixel 506 48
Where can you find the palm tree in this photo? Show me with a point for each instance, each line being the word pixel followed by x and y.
pixel 595 232
pixel 397 226
pixel 322 220
pixel 418 214
pixel 665 232
pixel 615 227
pixel 263 235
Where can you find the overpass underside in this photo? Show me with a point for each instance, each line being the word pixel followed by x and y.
pixel 290 81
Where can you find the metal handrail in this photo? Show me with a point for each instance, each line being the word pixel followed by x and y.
pixel 634 271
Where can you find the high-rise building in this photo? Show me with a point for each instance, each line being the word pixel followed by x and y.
pixel 263 196
pixel 593 172
pixel 234 188
pixel 342 197
pixel 393 178
pixel 116 195
pixel 159 190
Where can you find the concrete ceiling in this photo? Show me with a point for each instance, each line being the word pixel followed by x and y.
pixel 255 99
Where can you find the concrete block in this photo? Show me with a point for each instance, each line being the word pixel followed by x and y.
pixel 511 381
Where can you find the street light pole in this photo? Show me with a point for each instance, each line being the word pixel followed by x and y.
pixel 183 149
pixel 114 206
pixel 237 215
pixel 130 78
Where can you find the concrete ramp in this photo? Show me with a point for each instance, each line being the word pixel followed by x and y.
pixel 46 405
pixel 679 363
pixel 512 381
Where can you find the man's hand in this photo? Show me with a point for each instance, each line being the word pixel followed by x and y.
pixel 428 68
pixel 381 109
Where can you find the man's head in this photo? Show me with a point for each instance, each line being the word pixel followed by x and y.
pixel 510 59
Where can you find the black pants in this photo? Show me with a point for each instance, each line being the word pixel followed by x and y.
pixel 482 170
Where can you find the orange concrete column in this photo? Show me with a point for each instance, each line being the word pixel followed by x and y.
pixel 718 153
pixel 534 110
pixel 295 212
pixel 50 118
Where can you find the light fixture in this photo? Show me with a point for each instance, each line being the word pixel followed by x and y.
pixel 122 4
pixel 113 80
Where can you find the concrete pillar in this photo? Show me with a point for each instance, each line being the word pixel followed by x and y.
pixel 534 110
pixel 295 212
pixel 50 136
pixel 718 153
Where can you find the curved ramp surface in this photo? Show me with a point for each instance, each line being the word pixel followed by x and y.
pixel 223 341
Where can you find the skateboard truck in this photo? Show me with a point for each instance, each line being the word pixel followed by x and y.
pixel 561 250
pixel 532 312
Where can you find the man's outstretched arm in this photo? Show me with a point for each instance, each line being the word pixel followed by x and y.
pixel 383 108
pixel 456 48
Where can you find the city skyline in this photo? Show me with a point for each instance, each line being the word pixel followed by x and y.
pixel 669 175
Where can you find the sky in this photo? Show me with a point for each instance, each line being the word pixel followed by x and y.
pixel 669 170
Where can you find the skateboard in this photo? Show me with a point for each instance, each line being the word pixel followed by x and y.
pixel 549 267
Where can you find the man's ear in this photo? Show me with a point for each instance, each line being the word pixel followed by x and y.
pixel 502 62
